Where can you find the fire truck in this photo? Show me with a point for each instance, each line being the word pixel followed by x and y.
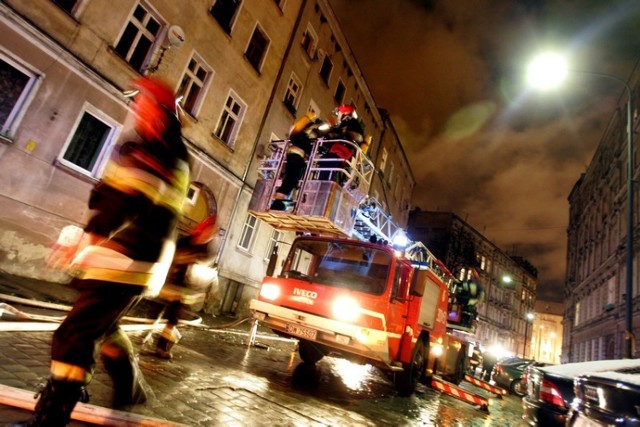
pixel 346 290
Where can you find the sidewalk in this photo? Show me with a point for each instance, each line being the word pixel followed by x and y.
pixel 195 389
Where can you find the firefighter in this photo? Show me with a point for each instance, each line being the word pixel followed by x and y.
pixel 177 294
pixel 129 239
pixel 347 127
pixel 301 137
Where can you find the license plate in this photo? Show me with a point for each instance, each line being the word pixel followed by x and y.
pixel 582 421
pixel 302 332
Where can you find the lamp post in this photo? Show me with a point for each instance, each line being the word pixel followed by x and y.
pixel 528 318
pixel 546 72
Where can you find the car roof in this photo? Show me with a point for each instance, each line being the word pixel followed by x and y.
pixel 575 369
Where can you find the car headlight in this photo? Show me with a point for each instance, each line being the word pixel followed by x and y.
pixel 270 291
pixel 346 309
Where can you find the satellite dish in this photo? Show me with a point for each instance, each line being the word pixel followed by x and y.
pixel 175 35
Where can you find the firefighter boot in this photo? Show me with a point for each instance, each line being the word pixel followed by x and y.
pixel 128 382
pixel 163 348
pixel 169 337
pixel 57 400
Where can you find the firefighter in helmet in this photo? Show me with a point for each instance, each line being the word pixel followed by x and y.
pixel 301 136
pixel 129 239
pixel 178 294
pixel 346 127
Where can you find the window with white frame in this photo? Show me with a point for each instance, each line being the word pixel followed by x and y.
pixel 310 41
pixel 93 135
pixel 325 70
pixel 257 48
pixel 280 4
pixel 248 232
pixel 273 242
pixel 313 108
pixel 139 37
pixel 192 87
pixel 229 122
pixel 292 93
pixel 225 12
pixel 17 86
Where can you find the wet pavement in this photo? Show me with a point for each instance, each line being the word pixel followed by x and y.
pixel 216 379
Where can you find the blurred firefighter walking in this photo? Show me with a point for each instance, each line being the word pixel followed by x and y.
pixel 130 242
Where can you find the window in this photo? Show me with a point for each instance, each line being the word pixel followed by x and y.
pixel 273 243
pixel 339 95
pixel 257 49
pixel 229 122
pixel 195 77
pixel 390 174
pixel 310 42
pixel 280 4
pixel 225 12
pixel 137 40
pixel 291 95
pixel 93 135
pixel 383 160
pixel 313 108
pixel 248 231
pixel 325 70
pixel 67 5
pixel 16 85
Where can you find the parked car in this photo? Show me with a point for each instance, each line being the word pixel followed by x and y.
pixel 550 389
pixel 508 374
pixel 607 398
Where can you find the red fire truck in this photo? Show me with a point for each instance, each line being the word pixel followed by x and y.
pixel 368 303
pixel 394 308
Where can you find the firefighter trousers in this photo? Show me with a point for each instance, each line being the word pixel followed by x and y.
pixel 92 320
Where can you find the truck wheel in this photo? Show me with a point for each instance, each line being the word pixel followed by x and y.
pixel 309 352
pixel 458 376
pixel 413 372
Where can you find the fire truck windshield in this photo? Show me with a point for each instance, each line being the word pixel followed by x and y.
pixel 340 264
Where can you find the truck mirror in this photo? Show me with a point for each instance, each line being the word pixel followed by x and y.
pixel 418 282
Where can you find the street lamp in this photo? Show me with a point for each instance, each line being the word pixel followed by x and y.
pixel 547 71
pixel 528 319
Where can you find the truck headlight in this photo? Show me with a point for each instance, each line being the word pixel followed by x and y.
pixel 270 291
pixel 346 309
pixel 436 350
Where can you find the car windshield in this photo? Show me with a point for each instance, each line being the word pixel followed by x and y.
pixel 350 265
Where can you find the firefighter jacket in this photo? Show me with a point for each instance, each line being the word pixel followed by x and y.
pixel 136 209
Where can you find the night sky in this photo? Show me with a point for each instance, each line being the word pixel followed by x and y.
pixel 481 144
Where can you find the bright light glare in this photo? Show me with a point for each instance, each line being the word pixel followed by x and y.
pixel 346 309
pixel 499 351
pixel 353 375
pixel 547 71
pixel 437 350
pixel 400 240
pixel 269 291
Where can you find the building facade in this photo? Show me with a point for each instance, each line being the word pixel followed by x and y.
pixel 595 283
pixel 509 283
pixel 545 344
pixel 245 71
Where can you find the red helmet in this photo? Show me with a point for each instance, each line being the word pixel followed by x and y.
pixel 158 90
pixel 345 111
pixel 204 231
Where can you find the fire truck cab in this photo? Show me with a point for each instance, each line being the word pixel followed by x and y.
pixel 365 302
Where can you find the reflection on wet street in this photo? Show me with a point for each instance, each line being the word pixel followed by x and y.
pixel 334 391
